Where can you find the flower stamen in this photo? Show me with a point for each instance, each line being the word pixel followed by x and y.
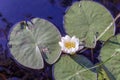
pixel 69 45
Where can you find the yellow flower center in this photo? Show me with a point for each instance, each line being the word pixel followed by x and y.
pixel 69 45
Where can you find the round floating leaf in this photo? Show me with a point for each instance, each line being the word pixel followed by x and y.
pixel 68 68
pixel 87 20
pixel 108 50
pixel 32 41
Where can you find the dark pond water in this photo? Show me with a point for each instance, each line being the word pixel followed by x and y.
pixel 13 11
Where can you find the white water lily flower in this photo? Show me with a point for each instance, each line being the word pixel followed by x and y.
pixel 69 45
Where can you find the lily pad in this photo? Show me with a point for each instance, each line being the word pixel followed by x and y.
pixel 73 68
pixel 109 50
pixel 87 20
pixel 34 41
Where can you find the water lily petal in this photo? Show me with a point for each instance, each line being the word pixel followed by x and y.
pixel 70 45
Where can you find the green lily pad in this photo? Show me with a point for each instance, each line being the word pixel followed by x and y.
pixel 33 42
pixel 109 50
pixel 73 68
pixel 87 20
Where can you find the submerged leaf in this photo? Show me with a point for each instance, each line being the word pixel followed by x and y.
pixel 104 74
